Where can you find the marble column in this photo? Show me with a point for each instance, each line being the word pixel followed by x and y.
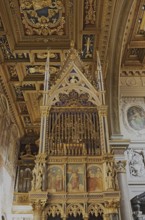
pixel 125 206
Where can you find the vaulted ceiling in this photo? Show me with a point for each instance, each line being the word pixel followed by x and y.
pixel 28 28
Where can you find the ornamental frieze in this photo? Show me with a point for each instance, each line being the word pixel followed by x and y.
pixel 43 17
pixel 90 12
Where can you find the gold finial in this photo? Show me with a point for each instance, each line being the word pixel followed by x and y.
pixel 72 44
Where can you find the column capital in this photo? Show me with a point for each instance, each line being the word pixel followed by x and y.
pixel 41 158
pixel 120 166
pixel 112 206
pixel 38 205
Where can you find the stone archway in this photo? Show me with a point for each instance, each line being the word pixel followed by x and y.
pixel 114 60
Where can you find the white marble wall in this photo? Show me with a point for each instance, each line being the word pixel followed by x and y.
pixel 9 138
pixel 132 121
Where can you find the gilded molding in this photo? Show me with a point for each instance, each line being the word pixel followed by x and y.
pixel 45 110
pixel 43 18
pixel 90 11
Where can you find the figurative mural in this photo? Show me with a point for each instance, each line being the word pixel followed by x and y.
pixel 94 178
pixel 75 178
pixel 55 179
pixel 136 117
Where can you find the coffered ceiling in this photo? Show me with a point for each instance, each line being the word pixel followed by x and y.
pixel 28 28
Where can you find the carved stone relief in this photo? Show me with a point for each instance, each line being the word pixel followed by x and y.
pixel 43 17
pixel 136 162
pixel 132 81
pixel 110 176
pixel 54 210
pixel 12 72
pixel 75 210
pixel 7 53
pixel 90 12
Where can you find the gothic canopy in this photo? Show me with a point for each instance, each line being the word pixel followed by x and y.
pixel 29 28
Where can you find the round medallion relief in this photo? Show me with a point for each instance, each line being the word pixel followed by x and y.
pixel 136 117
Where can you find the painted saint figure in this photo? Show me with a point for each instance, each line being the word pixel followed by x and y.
pixel 136 118
pixel 75 178
pixel 94 179
pixel 55 179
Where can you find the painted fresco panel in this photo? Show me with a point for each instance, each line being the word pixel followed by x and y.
pixel 132 118
pixel 75 178
pixel 94 179
pixel 55 179
pixel 136 117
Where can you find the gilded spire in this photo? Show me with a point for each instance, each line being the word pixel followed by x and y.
pixel 46 79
